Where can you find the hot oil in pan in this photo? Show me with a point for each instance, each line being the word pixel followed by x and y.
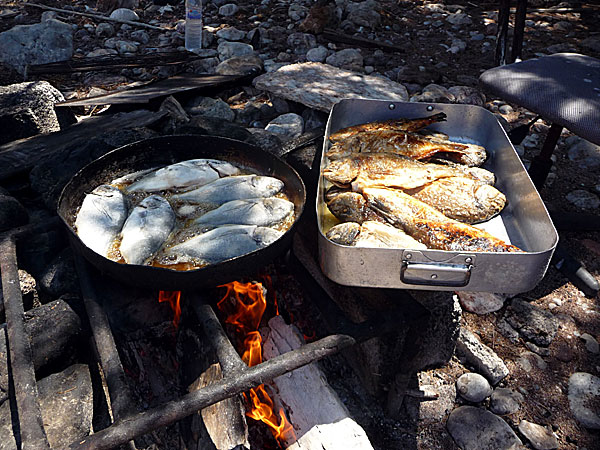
pixel 185 215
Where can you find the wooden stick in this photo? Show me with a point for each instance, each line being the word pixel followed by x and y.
pixel 320 419
pixel 98 16
pixel 225 421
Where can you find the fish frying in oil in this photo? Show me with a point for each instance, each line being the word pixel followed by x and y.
pixel 390 170
pixel 392 124
pixel 429 226
pixel 407 144
pixel 372 234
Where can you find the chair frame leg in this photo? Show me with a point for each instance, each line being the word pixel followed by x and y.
pixel 517 45
pixel 541 164
pixel 502 34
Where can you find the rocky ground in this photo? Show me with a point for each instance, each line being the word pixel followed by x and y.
pixel 539 350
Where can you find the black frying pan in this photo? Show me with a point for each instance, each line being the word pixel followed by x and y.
pixel 161 152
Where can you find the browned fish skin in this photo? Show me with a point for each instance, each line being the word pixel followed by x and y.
pixel 389 170
pixel 352 207
pixel 431 227
pixel 461 199
pixel 373 235
pixel 392 124
pixel 409 144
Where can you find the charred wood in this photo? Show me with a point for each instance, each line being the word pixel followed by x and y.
pixel 225 420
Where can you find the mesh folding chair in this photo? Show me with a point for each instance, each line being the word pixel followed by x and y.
pixel 563 89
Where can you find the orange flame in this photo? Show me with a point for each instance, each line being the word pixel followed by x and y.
pixel 245 304
pixel 172 297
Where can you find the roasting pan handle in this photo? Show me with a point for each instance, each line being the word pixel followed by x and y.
pixel 435 274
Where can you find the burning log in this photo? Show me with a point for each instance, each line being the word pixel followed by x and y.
pixel 225 420
pixel 320 420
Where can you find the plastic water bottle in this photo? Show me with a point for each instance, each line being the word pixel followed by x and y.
pixel 193 25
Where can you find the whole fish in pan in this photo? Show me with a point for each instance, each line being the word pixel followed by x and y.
pixel 193 172
pixel 101 217
pixel 146 229
pixel 231 188
pixel 408 144
pixel 372 234
pixel 350 206
pixel 461 198
pixel 429 226
pixel 389 170
pixel 220 244
pixel 262 212
pixel 392 124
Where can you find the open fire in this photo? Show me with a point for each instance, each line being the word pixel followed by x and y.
pixel 244 305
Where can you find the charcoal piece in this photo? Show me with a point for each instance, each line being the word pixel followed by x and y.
pixel 12 212
pixel 60 276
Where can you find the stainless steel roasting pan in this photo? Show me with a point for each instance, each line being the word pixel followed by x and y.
pixel 524 221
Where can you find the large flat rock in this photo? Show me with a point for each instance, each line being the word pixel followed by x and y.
pixel 320 86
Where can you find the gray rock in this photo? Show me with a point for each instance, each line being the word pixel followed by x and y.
pixel 240 65
pixel 40 43
pixel 313 119
pixel 459 19
pixel 528 360
pixel 457 46
pixel 289 125
pixel 213 127
pixel 228 10
pixel 296 82
pixel 591 344
pixel 101 52
pixel 124 14
pixel 532 323
pixel 505 401
pixel 297 12
pixel 477 429
pixel 481 357
pixel 209 107
pixel 231 34
pixel 473 387
pixel 59 277
pixel 267 140
pixel 105 30
pixel 349 58
pixel 467 95
pixel 584 391
pixel 431 412
pixel 124 47
pixel 481 302
pixel 205 65
pixel 317 54
pixel 434 93
pixel 583 199
pixel 228 50
pixel 300 43
pixel 507 331
pixel 140 36
pixel 540 438
pixel 364 14
pixel 66 405
pixel 27 109
pixel 591 43
pixel 584 153
pixel 12 213
pixel 437 338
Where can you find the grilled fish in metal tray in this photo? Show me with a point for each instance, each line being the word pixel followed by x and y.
pixel 407 144
pixel 400 124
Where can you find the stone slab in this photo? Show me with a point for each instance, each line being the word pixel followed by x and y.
pixel 320 86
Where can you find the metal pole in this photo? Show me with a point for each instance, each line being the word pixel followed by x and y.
pixel 517 45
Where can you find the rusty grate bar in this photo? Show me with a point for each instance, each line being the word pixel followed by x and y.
pixel 170 412
pixel 31 428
